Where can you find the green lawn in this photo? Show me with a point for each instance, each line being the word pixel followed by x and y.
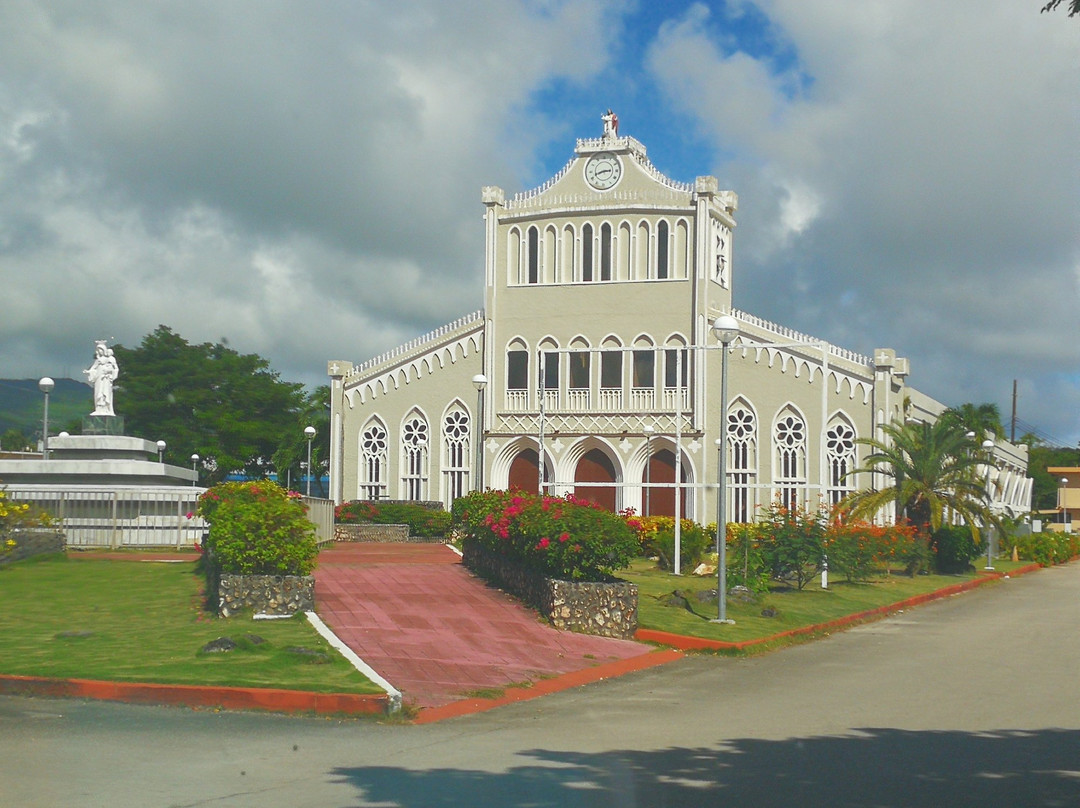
pixel 142 622
pixel 793 609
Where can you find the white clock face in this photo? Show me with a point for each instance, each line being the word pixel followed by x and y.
pixel 603 170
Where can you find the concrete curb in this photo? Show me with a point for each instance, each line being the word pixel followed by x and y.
pixel 229 698
pixel 686 643
pixel 547 686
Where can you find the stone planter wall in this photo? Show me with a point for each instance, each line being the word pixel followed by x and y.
pixel 374 533
pixel 607 609
pixel 265 594
pixel 30 542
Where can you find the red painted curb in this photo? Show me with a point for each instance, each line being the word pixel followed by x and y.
pixel 547 686
pixel 686 643
pixel 230 698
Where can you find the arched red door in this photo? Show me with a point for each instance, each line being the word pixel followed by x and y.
pixel 596 467
pixel 525 472
pixel 662 473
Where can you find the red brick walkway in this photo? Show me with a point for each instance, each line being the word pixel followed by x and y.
pixel 436 632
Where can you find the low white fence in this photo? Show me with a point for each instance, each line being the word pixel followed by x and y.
pixel 96 516
pixel 139 516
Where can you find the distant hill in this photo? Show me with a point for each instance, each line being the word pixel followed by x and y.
pixel 22 405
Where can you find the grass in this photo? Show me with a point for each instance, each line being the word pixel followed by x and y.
pixel 143 622
pixel 793 609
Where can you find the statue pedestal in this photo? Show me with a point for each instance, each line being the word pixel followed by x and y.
pixel 103 425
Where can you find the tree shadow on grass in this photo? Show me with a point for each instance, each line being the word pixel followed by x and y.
pixel 875 768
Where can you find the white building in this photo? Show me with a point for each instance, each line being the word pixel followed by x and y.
pixel 596 354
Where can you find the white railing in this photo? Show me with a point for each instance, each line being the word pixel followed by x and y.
pixel 675 398
pixel 611 399
pixel 412 345
pixel 578 400
pixel 642 399
pixel 783 333
pixel 321 514
pixel 517 400
pixel 120 517
pixel 139 516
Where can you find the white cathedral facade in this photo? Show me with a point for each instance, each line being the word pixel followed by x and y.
pixel 593 368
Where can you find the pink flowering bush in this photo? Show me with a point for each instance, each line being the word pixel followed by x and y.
pixel 258 528
pixel 559 537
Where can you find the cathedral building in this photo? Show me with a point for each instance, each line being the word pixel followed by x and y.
pixel 593 367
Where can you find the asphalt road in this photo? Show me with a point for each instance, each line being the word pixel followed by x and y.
pixel 973 701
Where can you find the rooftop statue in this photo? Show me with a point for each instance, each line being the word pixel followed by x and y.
pixel 101 376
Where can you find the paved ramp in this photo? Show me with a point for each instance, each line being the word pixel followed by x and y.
pixel 438 633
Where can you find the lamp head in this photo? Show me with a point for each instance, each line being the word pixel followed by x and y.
pixel 310 432
pixel 479 381
pixel 46 385
pixel 725 328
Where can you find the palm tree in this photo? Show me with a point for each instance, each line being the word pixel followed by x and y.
pixel 933 469
pixel 982 419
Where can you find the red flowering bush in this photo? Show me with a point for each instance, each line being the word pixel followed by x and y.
pixel 560 537
pixel 258 528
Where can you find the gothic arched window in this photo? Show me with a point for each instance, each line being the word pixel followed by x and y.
pixel 456 429
pixel 742 461
pixel 789 438
pixel 840 449
pixel 414 448
pixel 373 451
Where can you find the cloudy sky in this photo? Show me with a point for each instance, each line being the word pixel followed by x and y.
pixel 303 179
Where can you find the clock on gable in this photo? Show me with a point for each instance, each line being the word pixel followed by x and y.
pixel 603 170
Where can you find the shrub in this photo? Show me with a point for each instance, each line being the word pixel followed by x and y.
pixel 559 537
pixel 859 549
pixel 1047 548
pixel 422 521
pixel 953 548
pixel 658 539
pixel 258 528
pixel 793 543
pixel 746 564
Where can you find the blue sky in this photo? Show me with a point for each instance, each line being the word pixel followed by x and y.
pixel 303 179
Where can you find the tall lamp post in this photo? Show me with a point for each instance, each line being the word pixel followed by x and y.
pixel 1064 510
pixel 479 382
pixel 161 451
pixel 649 429
pixel 194 460
pixel 726 328
pixel 309 431
pixel 988 447
pixel 46 386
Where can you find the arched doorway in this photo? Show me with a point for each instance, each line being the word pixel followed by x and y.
pixel 662 475
pixel 596 467
pixel 525 472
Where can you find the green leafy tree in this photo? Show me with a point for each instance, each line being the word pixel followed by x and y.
pixel 933 472
pixel 231 409
pixel 292 452
pixel 1044 484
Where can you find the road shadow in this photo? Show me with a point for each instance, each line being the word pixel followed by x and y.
pixel 872 768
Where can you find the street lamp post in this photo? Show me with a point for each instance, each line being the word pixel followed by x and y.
pixel 46 386
pixel 726 328
pixel 479 382
pixel 649 429
pixel 309 431
pixel 194 460
pixel 1064 510
pixel 988 447
pixel 161 451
